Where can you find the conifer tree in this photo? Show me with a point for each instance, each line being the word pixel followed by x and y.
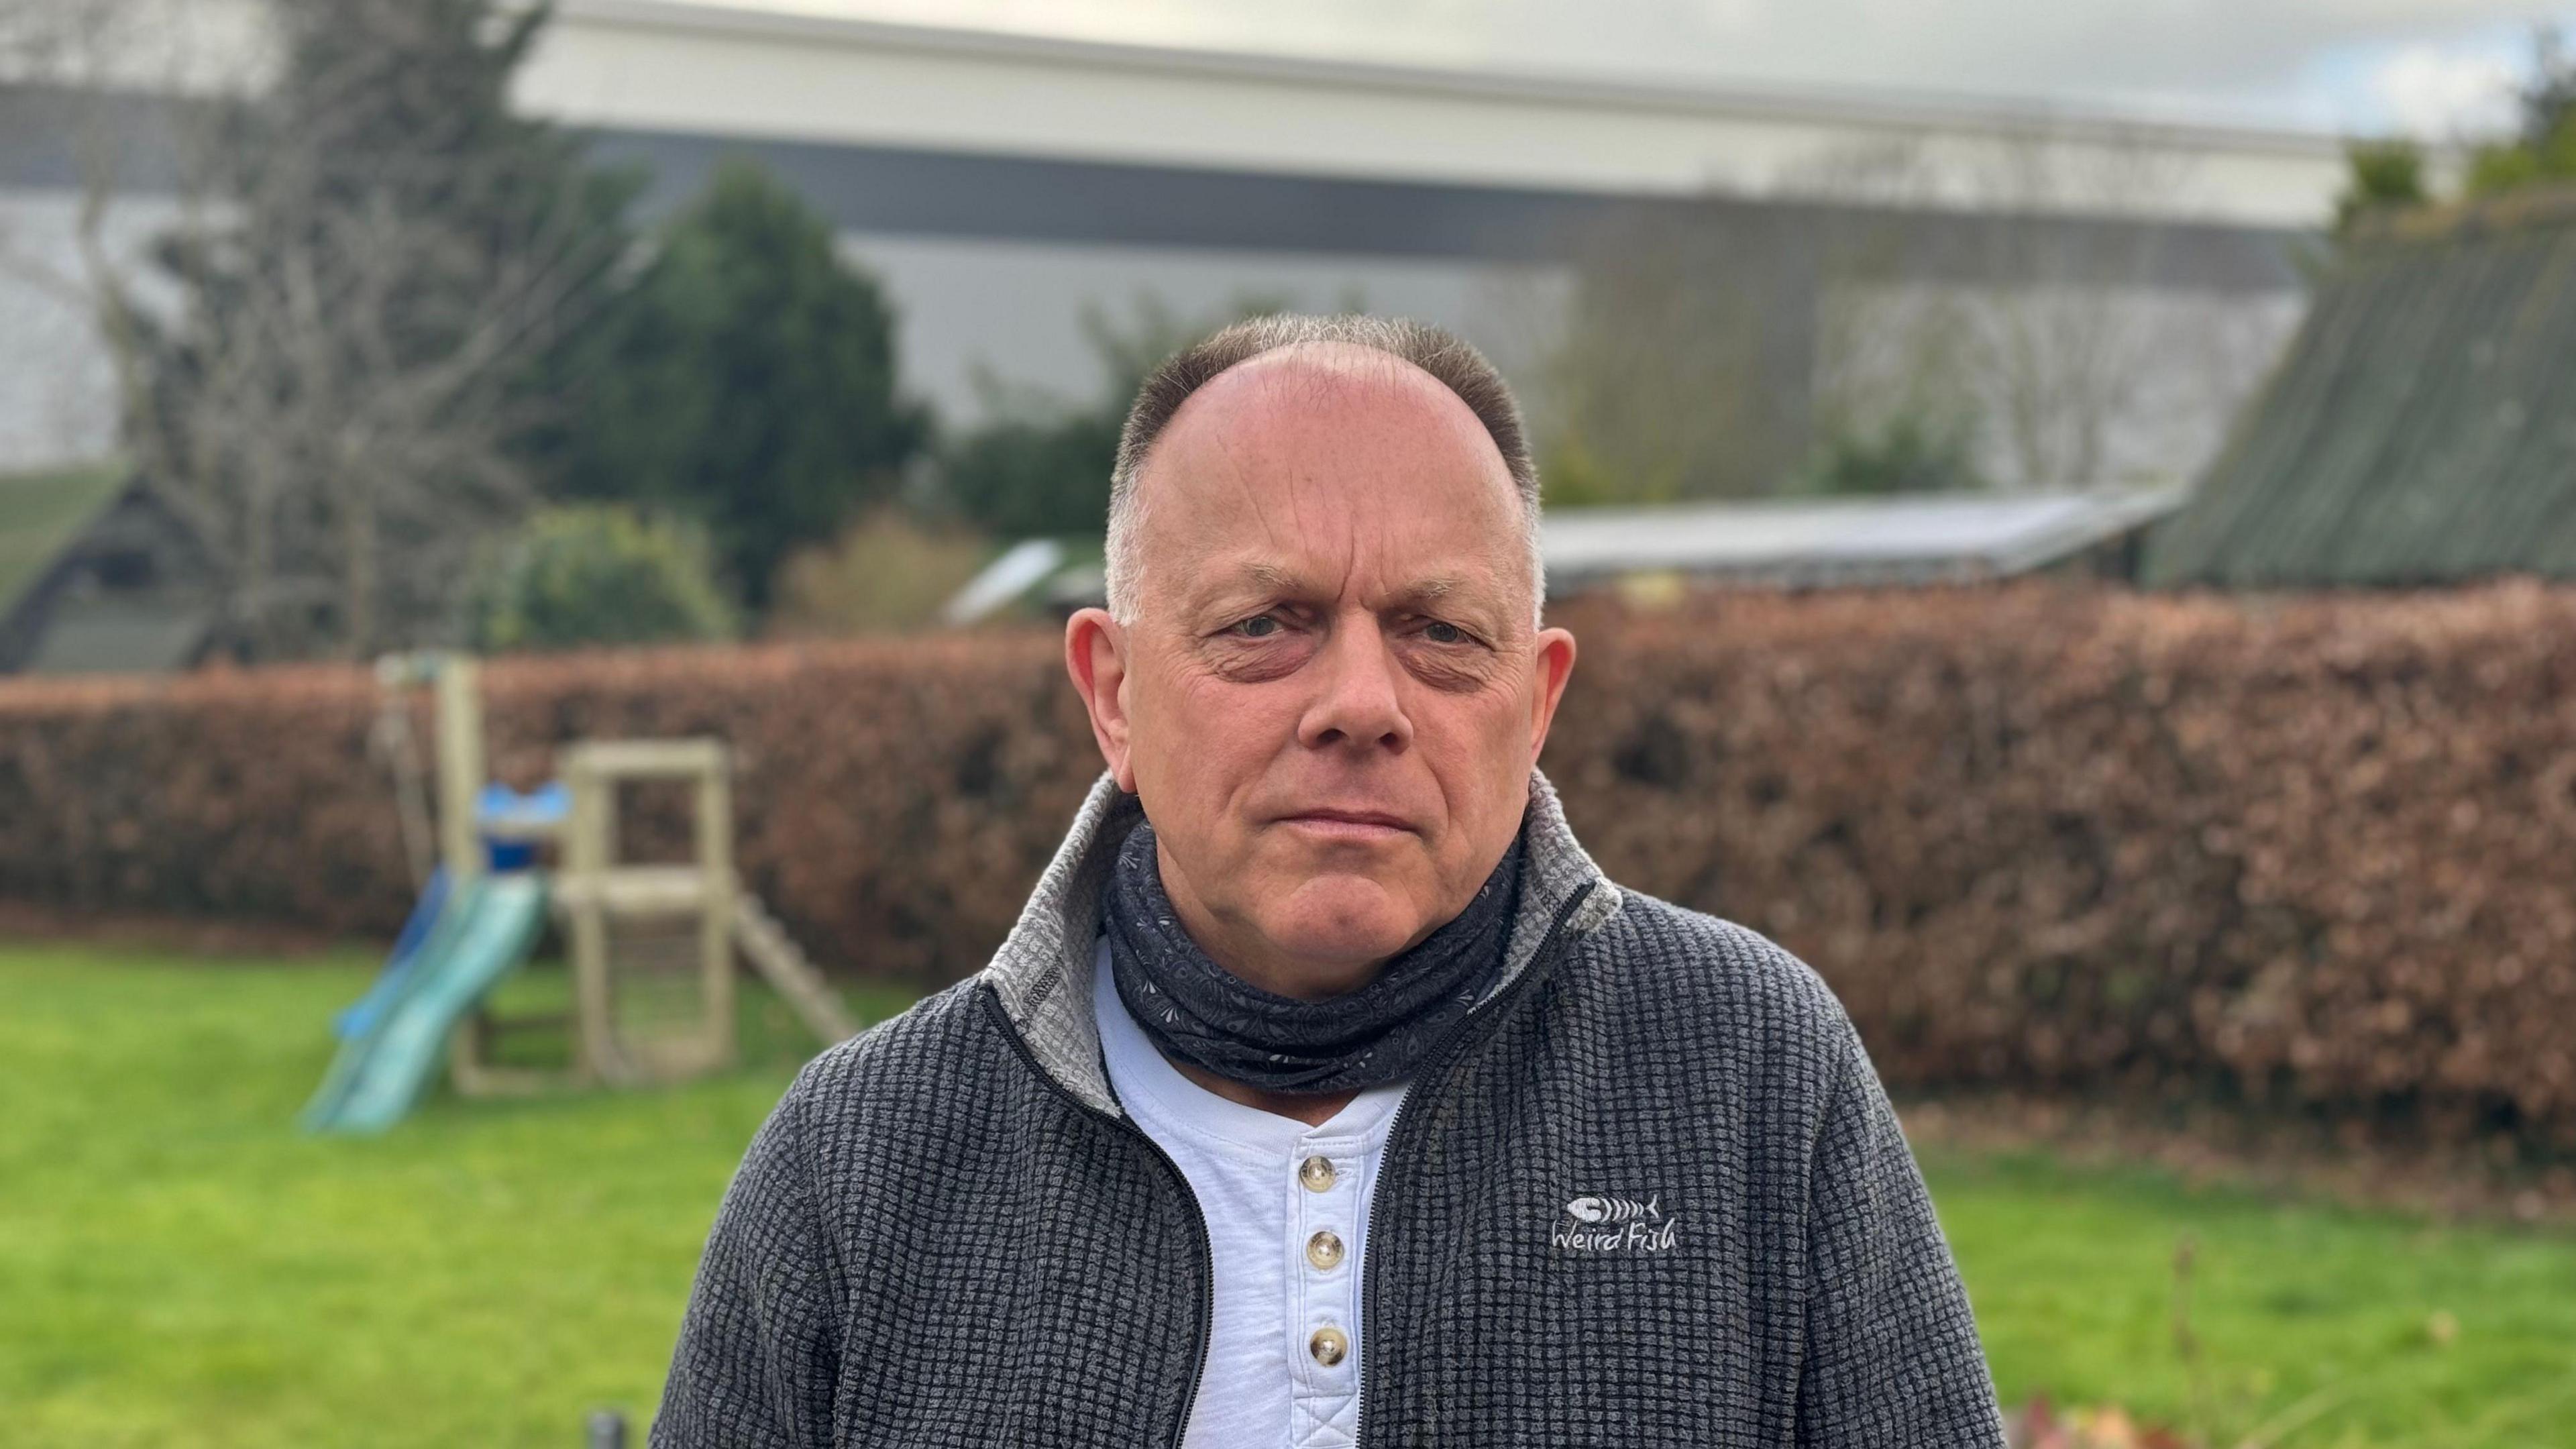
pixel 748 379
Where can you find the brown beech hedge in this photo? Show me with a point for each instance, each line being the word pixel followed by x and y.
pixel 2315 852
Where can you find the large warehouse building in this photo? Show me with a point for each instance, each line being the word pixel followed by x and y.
pixel 1004 185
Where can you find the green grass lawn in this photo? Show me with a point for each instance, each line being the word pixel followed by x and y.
pixel 179 1267
pixel 2312 1325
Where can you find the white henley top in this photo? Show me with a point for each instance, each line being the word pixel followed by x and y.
pixel 1287 1217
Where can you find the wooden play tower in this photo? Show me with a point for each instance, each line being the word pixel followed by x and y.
pixel 652 946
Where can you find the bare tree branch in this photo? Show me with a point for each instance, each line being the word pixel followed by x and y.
pixel 332 408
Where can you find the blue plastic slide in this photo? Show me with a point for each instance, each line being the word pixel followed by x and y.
pixel 481 934
pixel 355 1018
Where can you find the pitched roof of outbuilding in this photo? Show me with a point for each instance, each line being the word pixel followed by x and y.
pixel 2421 428
pixel 40 515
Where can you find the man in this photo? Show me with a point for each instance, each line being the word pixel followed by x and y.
pixel 1325 1093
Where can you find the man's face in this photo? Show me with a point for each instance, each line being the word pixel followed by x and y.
pixel 1332 693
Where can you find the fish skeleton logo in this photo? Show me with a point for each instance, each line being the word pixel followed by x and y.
pixel 1615 1225
pixel 1610 1210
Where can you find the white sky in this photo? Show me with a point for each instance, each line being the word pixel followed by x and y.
pixel 2437 68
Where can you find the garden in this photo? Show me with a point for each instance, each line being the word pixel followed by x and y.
pixel 187 1269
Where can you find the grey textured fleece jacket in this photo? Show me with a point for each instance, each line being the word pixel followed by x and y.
pixel 1649 1194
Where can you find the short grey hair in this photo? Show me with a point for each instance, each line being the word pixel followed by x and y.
pixel 1450 360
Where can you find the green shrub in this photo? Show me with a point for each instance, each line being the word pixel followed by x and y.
pixel 595 574
pixel 889 571
pixel 1916 450
pixel 2383 176
pixel 2544 153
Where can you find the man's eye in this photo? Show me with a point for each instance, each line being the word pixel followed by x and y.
pixel 1441 631
pixel 1259 626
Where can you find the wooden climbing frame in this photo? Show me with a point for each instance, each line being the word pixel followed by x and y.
pixel 609 909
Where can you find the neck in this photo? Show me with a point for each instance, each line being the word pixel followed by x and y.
pixel 1287 1037
pixel 1272 971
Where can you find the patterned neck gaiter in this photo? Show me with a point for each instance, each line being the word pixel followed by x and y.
pixel 1193 1009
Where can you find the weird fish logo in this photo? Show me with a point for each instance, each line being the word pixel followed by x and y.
pixel 1615 1225
pixel 1610 1209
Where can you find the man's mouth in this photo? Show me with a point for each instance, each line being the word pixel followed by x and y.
pixel 1355 825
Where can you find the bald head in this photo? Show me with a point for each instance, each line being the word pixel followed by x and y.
pixel 1413 382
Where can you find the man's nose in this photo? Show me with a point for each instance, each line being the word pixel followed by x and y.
pixel 1358 691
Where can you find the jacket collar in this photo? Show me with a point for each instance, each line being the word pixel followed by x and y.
pixel 1042 973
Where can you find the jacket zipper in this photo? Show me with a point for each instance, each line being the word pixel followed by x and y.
pixel 1540 960
pixel 1202 1331
pixel 1373 1321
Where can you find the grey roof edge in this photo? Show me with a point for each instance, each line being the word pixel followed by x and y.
pixel 2114 511
pixel 2121 511
pixel 1891 110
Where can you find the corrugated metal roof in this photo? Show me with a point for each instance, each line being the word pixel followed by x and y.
pixel 2422 428
pixel 1913 538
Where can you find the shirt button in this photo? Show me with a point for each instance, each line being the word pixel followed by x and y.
pixel 1316 1173
pixel 1324 1249
pixel 1328 1346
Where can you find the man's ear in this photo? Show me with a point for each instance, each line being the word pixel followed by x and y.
pixel 1094 654
pixel 1553 653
